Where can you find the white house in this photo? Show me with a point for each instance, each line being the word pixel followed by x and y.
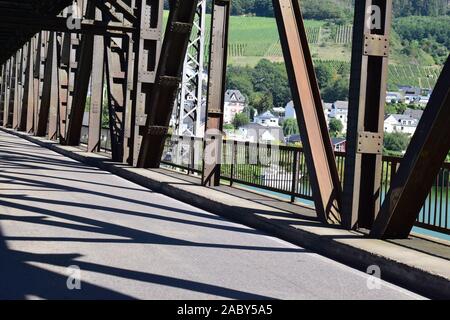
pixel 400 123
pixel 255 132
pixel 393 97
pixel 339 111
pixel 235 103
pixel 290 110
pixel 267 119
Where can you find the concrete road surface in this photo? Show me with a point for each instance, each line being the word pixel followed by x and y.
pixel 61 221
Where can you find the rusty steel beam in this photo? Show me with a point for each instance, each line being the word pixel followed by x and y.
pixel 25 84
pixel 54 94
pixel 143 57
pixel 368 84
pixel 168 79
pixel 30 102
pixel 116 86
pixel 216 93
pixel 63 65
pixel 81 84
pixel 47 86
pixel 308 105
pixel 39 74
pixel 16 95
pixel 419 167
pixel 95 111
pixel 2 90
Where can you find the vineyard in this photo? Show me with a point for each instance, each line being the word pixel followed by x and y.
pixel 254 38
pixel 413 75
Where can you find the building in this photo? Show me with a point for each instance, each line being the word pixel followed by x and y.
pixel 267 119
pixel 413 113
pixel 235 103
pixel 290 110
pixel 400 123
pixel 393 97
pixel 255 132
pixel 339 111
pixel 279 112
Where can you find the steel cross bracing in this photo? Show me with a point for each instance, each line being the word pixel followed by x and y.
pixel 111 54
pixel 190 108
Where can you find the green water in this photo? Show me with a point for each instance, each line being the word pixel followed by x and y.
pixel 445 208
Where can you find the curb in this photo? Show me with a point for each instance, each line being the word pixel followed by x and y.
pixel 403 273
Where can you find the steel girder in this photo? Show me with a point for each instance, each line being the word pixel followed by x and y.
pixel 168 78
pixel 190 110
pixel 368 84
pixel 319 154
pixel 216 93
pixel 419 167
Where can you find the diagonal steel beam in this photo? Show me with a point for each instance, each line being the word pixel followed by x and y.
pixel 308 105
pixel 368 84
pixel 419 167
pixel 168 76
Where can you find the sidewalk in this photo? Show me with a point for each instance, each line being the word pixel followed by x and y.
pixel 421 265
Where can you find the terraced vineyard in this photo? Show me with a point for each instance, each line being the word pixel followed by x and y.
pixel 413 75
pixel 254 38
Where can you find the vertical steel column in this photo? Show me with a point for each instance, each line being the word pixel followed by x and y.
pixel 170 67
pixel 308 105
pixel 54 86
pixel 419 167
pixel 145 59
pixel 31 102
pixel 39 76
pixel 49 89
pixel 368 83
pixel 25 81
pixel 2 90
pixel 116 84
pixel 63 64
pixel 216 92
pixel 95 112
pixel 74 48
pixel 16 101
pixel 9 93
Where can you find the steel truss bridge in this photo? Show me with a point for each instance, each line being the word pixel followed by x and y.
pixel 56 53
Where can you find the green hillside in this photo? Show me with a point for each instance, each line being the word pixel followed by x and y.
pixel 254 38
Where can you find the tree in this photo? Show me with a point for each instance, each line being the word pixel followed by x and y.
pixel 335 126
pixel 338 90
pixel 397 142
pixel 290 127
pixel 240 119
pixel 262 101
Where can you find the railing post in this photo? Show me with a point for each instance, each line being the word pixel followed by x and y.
pixel 192 154
pixel 294 175
pixel 233 161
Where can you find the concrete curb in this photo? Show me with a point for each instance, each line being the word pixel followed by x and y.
pixel 425 274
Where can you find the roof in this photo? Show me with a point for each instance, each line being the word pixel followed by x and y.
pixel 416 114
pixel 234 96
pixel 341 104
pixel 266 115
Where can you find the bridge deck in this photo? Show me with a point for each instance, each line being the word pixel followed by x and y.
pixel 130 242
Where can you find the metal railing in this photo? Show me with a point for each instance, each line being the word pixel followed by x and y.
pixel 284 171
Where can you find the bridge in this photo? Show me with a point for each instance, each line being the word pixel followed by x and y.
pixel 133 210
